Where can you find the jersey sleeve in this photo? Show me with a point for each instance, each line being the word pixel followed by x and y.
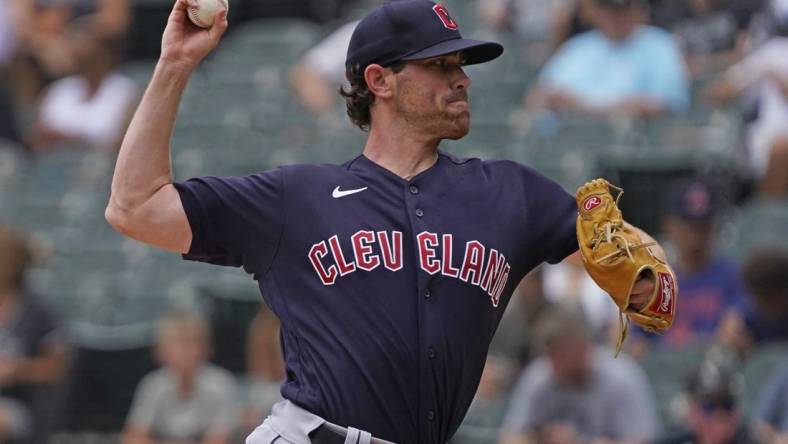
pixel 235 221
pixel 550 219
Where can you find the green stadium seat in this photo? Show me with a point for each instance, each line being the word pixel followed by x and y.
pixel 270 40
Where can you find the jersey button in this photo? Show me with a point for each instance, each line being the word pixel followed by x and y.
pixel 431 353
pixel 419 212
pixel 430 415
pixel 414 189
pixel 427 295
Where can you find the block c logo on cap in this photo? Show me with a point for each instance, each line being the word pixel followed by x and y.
pixel 443 15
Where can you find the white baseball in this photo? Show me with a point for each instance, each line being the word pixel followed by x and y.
pixel 203 14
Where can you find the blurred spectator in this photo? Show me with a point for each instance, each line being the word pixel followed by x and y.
pixel 483 420
pixel 568 284
pixel 187 400
pixel 765 273
pixel 572 20
pixel 316 78
pixel 620 67
pixel 765 23
pixel 771 412
pixel 107 19
pixel 92 107
pixel 766 276
pixel 45 51
pixel 713 414
pixel 764 73
pixel 265 370
pixel 530 19
pixel 712 292
pixel 712 33
pixel 33 350
pixel 577 394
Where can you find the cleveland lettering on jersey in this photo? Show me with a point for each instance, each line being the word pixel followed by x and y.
pixel 480 266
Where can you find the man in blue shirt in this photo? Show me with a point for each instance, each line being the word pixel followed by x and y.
pixel 620 67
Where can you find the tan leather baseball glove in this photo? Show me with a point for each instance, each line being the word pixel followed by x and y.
pixel 617 254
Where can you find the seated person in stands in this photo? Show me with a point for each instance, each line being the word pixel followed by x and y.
pixel 90 108
pixel 712 33
pixel 766 276
pixel 45 52
pixel 33 349
pixel 713 414
pixel 621 67
pixel 559 396
pixel 770 420
pixel 764 74
pixel 712 291
pixel 187 401
pixel 530 19
pixel 765 273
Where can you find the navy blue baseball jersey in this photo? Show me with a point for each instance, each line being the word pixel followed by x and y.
pixel 389 291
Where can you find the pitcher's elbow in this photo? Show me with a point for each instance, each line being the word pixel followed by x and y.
pixel 117 218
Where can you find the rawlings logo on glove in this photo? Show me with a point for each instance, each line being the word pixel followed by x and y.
pixel 617 254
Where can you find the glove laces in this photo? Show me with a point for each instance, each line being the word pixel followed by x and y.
pixel 609 232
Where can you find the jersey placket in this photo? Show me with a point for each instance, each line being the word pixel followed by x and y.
pixel 418 215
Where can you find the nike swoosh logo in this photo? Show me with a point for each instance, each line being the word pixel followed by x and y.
pixel 337 193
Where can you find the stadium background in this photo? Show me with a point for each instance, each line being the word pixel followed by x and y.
pixel 239 116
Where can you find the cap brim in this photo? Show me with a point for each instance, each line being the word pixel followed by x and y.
pixel 476 51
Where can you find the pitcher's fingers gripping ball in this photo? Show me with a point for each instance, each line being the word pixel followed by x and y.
pixel 203 14
pixel 616 255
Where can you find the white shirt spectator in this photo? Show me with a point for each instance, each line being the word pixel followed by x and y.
pixel 772 57
pixel 165 414
pixel 98 120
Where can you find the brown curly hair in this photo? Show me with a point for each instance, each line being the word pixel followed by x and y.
pixel 358 97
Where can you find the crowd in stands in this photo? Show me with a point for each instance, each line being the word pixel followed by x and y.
pixel 550 376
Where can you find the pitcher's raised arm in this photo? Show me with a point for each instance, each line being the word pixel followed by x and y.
pixel 144 204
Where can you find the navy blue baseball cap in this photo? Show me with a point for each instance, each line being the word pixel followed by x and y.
pixel 693 201
pixel 401 30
